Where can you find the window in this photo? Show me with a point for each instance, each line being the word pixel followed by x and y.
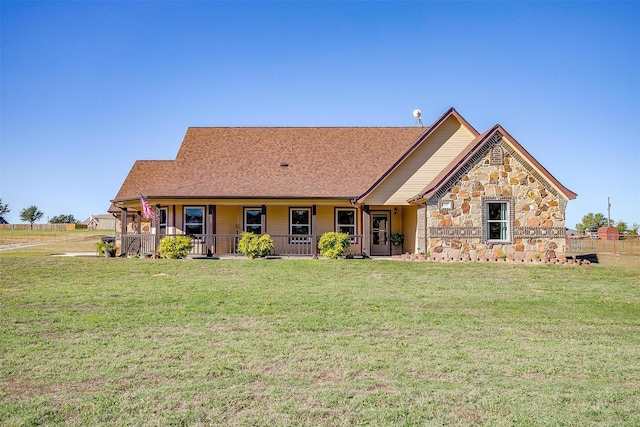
pixel 300 223
pixel 193 221
pixel 346 221
pixel 162 222
pixel 253 220
pixel 497 221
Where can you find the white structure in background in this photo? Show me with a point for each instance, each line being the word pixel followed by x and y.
pixel 100 222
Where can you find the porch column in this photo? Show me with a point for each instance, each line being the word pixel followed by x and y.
pixel 210 229
pixel 139 222
pixel 123 231
pixel 421 229
pixel 366 231
pixel 263 219
pixel 173 220
pixel 314 242
pixel 156 242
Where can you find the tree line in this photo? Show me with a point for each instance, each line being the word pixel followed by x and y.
pixel 32 215
pixel 591 222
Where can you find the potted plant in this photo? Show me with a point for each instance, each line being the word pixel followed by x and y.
pixel 108 249
pixel 396 238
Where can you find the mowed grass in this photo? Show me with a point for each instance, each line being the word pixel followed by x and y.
pixel 97 341
pixel 53 241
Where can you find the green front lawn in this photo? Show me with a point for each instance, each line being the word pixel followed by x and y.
pixel 97 341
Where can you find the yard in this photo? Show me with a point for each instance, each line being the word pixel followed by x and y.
pixel 97 341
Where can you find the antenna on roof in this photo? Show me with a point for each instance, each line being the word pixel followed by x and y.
pixel 418 114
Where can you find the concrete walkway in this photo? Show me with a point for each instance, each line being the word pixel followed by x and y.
pixel 19 246
pixel 77 254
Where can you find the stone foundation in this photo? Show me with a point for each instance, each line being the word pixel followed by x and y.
pixel 474 249
pixel 523 261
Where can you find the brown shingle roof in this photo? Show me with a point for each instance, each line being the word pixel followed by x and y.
pixel 249 162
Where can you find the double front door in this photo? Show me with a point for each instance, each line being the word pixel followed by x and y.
pixel 380 231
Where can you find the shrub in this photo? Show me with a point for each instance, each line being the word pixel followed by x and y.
pixel 334 244
pixel 175 247
pixel 253 246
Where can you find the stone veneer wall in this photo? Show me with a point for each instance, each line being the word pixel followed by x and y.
pixel 499 173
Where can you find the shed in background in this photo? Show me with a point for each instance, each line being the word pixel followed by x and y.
pixel 100 222
pixel 608 233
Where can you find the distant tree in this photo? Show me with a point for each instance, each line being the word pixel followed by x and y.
pixel 622 227
pixel 4 208
pixel 635 227
pixel 591 222
pixel 64 219
pixel 31 214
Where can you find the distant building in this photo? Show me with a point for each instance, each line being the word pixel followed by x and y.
pixel 100 222
pixel 3 221
pixel 608 233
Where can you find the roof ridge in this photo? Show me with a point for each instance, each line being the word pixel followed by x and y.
pixel 307 127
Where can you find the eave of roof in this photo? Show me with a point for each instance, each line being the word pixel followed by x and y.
pixel 570 195
pixel 430 130
pixel 476 145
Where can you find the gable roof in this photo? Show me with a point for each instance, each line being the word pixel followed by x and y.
pixel 313 162
pixel 272 163
pixel 474 147
pixel 430 130
pixel 108 217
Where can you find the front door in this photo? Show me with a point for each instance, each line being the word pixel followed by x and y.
pixel 380 230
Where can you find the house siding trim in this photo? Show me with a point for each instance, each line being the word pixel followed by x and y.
pixel 429 131
pixel 495 137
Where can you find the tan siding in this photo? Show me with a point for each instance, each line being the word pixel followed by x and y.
pixel 179 220
pixel 278 219
pixel 228 219
pixel 410 223
pixel 397 222
pixel 325 219
pixel 422 165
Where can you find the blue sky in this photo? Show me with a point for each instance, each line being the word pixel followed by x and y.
pixel 89 87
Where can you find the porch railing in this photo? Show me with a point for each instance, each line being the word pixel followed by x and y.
pixel 138 244
pixel 227 244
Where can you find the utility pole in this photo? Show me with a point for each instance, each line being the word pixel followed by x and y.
pixel 608 212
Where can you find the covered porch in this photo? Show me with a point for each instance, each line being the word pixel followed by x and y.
pixel 294 225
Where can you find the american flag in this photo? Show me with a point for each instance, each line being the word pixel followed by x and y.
pixel 147 210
